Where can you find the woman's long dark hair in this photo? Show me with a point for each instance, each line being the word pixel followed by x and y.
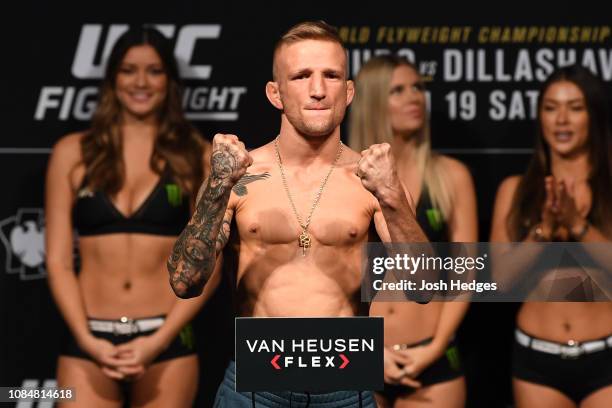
pixel 177 144
pixel 530 194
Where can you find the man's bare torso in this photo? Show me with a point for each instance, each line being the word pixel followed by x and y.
pixel 274 278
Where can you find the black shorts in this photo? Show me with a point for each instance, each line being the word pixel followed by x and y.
pixel 182 345
pixel 576 377
pixel 445 368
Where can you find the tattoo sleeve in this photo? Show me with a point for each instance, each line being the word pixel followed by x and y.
pixel 194 254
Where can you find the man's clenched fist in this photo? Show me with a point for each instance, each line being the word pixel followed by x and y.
pixel 230 159
pixel 376 169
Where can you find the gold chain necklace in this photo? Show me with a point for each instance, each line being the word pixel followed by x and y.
pixel 304 240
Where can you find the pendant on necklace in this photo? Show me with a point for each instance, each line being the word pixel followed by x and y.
pixel 304 242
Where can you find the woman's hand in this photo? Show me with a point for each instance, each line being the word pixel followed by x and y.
pixel 567 213
pixel 141 351
pixel 106 354
pixel 419 358
pixel 549 222
pixel 394 373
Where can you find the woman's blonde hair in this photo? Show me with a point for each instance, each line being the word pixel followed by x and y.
pixel 370 124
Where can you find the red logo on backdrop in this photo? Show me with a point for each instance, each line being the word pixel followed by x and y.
pixel 330 361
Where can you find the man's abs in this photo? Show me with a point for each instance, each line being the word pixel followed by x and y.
pixel 319 284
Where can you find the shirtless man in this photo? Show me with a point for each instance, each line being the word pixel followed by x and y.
pixel 278 274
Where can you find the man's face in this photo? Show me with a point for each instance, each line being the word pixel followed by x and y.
pixel 312 85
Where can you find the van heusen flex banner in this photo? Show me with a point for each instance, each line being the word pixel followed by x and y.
pixel 309 354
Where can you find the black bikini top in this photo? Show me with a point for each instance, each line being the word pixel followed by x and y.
pixel 165 211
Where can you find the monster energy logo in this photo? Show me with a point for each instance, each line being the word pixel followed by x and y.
pixel 434 216
pixel 452 354
pixel 187 337
pixel 175 198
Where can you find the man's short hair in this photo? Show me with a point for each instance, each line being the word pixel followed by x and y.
pixel 308 30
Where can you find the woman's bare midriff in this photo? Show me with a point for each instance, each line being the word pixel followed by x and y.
pixel 564 321
pixel 125 275
pixel 407 322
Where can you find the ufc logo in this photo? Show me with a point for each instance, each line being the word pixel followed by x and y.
pixel 90 40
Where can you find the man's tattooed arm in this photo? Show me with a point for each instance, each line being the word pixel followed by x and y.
pixel 194 254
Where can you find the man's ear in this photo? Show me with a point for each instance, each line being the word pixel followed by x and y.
pixel 350 92
pixel 273 94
